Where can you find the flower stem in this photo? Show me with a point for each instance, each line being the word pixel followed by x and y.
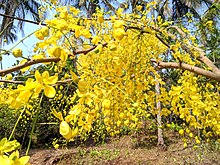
pixel 34 124
pixel 12 132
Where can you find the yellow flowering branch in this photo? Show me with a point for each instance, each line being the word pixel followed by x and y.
pixel 214 74
pixel 87 50
pixel 50 59
pixel 188 47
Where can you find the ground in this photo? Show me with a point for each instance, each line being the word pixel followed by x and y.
pixel 128 150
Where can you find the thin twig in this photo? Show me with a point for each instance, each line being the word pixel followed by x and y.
pixel 23 82
pixel 21 19
pixel 12 81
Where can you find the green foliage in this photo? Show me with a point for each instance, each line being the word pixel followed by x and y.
pixel 7 120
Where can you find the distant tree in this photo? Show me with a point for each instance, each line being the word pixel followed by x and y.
pixel 15 8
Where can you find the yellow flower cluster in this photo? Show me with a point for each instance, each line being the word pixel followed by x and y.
pixel 16 98
pixel 196 104
pixel 115 79
pixel 14 158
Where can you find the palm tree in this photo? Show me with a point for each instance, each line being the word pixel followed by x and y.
pixel 15 8
pixel 89 6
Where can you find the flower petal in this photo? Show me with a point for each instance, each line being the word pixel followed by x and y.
pixel 38 88
pixel 24 159
pixel 52 80
pixel 38 76
pixel 49 91
pixel 24 95
pixel 45 75
pixel 65 130
pixel 74 77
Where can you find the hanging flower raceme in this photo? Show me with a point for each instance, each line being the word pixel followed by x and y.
pixel 44 82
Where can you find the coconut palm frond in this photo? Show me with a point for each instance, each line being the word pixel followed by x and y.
pixel 19 8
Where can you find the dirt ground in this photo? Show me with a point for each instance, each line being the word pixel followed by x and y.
pixel 128 151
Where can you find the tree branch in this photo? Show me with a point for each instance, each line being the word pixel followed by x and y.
pixel 207 61
pixel 21 19
pixel 23 82
pixel 202 57
pixel 12 81
pixel 87 50
pixel 144 31
pixel 50 59
pixel 28 63
pixel 184 66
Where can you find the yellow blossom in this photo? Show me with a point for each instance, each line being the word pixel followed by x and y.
pixel 86 33
pixel 44 82
pixel 139 7
pixel 64 14
pixel 39 35
pixel 119 33
pixel 118 24
pixel 65 130
pixel 9 77
pixel 17 52
pixel 59 52
pixel 45 31
pixel 82 85
pixel 191 134
pixel 181 132
pixel 100 18
pixel 95 40
pixel 106 104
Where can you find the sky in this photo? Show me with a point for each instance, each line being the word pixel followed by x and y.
pixel 26 45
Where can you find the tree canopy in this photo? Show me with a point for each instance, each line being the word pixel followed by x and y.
pixel 125 69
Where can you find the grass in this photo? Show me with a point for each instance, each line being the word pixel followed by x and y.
pixel 127 150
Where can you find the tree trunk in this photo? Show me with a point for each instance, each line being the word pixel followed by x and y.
pixel 159 121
